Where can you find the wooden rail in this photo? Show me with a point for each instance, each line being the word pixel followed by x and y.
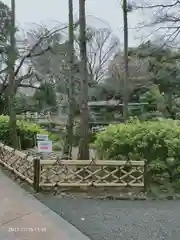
pixel 100 173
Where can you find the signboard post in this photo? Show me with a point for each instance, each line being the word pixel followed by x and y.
pixel 44 146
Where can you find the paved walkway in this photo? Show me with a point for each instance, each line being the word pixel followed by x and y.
pixel 23 217
pixel 119 220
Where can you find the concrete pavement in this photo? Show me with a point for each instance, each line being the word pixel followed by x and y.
pixel 118 219
pixel 24 217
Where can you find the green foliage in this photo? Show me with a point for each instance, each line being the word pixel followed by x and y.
pixel 144 140
pixel 24 104
pixel 26 130
pixel 5 17
pixel 57 146
pixel 55 137
pixel 157 104
pixel 156 142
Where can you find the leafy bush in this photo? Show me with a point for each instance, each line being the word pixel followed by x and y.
pixel 26 130
pixel 156 142
pixel 149 140
pixel 55 137
pixel 57 146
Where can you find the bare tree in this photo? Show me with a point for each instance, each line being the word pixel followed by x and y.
pixel 139 77
pixel 11 89
pixel 102 45
pixel 126 70
pixel 11 76
pixel 25 58
pixel 165 17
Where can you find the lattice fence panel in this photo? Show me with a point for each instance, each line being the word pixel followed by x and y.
pixel 126 175
pixel 61 173
pixel 17 162
pixel 93 173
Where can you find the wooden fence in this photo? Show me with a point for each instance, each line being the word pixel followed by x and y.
pixel 17 162
pixel 47 174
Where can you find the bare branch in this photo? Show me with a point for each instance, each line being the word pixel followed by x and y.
pixel 166 17
pixel 30 53
pixel 3 70
pixel 138 74
pixel 26 76
pixel 102 45
pixel 156 6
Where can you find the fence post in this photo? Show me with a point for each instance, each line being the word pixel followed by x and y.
pixel 36 168
pixel 145 177
pixel 19 142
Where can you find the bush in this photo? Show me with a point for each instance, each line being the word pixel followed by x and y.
pixel 57 146
pixel 26 130
pixel 156 142
pixel 140 140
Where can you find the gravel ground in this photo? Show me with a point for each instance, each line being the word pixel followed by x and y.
pixel 119 220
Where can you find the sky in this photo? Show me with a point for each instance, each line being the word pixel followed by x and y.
pixel 100 13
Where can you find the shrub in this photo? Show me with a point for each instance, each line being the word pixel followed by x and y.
pixel 55 137
pixel 141 140
pixel 26 131
pixel 57 146
pixel 156 142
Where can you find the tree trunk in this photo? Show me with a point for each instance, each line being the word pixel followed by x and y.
pixel 11 90
pixel 70 122
pixel 169 108
pixel 126 71
pixel 84 113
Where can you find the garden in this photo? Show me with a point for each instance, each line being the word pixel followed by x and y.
pixel 157 142
pixel 135 115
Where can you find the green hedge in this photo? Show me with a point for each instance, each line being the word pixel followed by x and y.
pixel 26 131
pixel 156 142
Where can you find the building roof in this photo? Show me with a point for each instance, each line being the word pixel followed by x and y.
pixel 112 103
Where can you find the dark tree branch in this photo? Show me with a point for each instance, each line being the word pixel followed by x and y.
pixel 3 70
pixel 157 6
pixel 30 53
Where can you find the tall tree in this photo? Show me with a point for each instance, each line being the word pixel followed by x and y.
pixel 126 70
pixel 70 122
pixel 164 68
pixel 84 113
pixel 11 69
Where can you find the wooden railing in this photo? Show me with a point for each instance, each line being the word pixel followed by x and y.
pixel 47 174
pixel 17 162
pixel 99 173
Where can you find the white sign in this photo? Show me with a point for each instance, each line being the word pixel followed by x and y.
pixel 44 146
pixel 42 137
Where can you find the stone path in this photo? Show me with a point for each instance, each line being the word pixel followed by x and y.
pixel 22 217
